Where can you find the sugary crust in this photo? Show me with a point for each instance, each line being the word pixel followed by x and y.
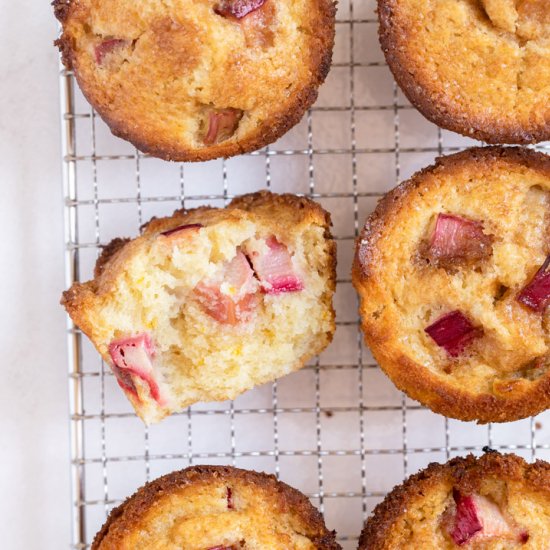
pixel 279 121
pixel 435 103
pixel 406 374
pixel 128 517
pixel 464 473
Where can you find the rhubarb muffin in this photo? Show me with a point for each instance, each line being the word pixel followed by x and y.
pixel 494 502
pixel 452 271
pixel 210 302
pixel 197 80
pixel 215 508
pixel 478 67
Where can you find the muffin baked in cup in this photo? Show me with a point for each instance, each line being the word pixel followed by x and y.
pixel 494 502
pixel 210 302
pixel 452 272
pixel 478 67
pixel 216 508
pixel 197 80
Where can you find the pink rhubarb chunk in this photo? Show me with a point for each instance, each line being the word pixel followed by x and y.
pixel 453 332
pixel 231 300
pixel 275 270
pixel 238 8
pixel 132 358
pixel 477 516
pixel 537 293
pixel 456 238
pixel 222 125
pixel 106 47
pixel 467 522
pixel 189 228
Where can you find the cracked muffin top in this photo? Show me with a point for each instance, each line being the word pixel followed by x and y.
pixel 191 80
pixel 452 271
pixel 215 508
pixel 495 502
pixel 477 67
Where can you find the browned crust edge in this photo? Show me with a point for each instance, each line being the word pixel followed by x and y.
pixel 442 113
pixel 128 515
pixel 463 472
pixel 107 253
pixel 272 128
pixel 406 374
pixel 61 9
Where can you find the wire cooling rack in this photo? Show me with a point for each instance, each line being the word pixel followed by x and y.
pixel 337 430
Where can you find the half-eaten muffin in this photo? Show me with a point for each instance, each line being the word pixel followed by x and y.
pixel 210 302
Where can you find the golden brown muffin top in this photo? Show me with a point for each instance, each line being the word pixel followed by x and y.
pixel 215 507
pixel 198 79
pixel 477 67
pixel 416 297
pixel 487 503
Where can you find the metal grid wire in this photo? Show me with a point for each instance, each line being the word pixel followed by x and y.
pixel 337 430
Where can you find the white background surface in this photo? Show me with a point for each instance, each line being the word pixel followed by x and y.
pixel 34 475
pixel 34 450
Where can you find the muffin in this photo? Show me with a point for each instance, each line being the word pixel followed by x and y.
pixel 210 302
pixel 487 503
pixel 215 508
pixel 451 269
pixel 192 81
pixel 478 67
